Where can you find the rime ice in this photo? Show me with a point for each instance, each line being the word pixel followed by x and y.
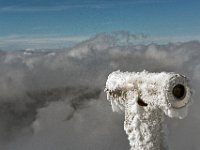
pixel 145 98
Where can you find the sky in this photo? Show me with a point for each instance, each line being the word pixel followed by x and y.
pixel 61 23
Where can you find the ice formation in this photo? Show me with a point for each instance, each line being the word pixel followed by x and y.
pixel 145 98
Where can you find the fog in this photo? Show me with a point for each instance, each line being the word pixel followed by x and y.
pixel 55 100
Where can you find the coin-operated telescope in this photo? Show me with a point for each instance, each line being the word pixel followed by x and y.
pixel 146 98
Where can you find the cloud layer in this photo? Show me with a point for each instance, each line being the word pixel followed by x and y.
pixel 61 5
pixel 15 42
pixel 55 100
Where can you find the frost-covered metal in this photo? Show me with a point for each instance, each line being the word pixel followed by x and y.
pixel 145 98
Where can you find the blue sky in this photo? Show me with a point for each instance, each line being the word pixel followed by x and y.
pixel 75 20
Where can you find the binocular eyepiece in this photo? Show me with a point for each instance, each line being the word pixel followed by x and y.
pixel 178 91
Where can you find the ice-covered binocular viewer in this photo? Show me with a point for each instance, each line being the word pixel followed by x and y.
pixel 145 98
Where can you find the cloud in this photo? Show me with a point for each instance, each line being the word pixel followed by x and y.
pixel 38 6
pixel 38 42
pixel 55 100
pixel 119 38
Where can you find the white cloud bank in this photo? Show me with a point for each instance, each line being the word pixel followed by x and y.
pixel 122 38
pixel 55 100
pixel 16 42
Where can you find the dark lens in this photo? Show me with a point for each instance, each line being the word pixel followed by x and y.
pixel 179 91
pixel 141 102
